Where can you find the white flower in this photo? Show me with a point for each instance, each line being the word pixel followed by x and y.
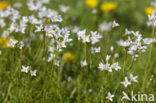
pixel 123 43
pixel 81 34
pixel 110 96
pixel 147 41
pixel 137 34
pixel 63 8
pixel 90 90
pixel 116 55
pixel 86 39
pixel 17 5
pixel 12 43
pixel 105 26
pixel 75 29
pixel 115 24
pixel 33 72
pixel 115 66
pixel 56 18
pixel 97 50
pixel 69 79
pixel 25 69
pixel 111 48
pixel 83 63
pixel 94 11
pixel 95 37
pixel 151 78
pixel 21 45
pixel 152 19
pixel 108 57
pixel 13 27
pixel 34 20
pixel 109 68
pixel 57 63
pixel 133 78
pixel 51 57
pixel 127 31
pixel 103 66
pixel 126 82
pixel 39 28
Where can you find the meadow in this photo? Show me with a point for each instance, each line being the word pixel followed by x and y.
pixel 77 51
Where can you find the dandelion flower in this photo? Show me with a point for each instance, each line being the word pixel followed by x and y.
pixel 109 6
pixel 149 10
pixel 4 42
pixel 68 57
pixel 4 5
pixel 91 3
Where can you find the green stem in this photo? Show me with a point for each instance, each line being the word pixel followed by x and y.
pixel 125 62
pixel 148 62
pixel 6 98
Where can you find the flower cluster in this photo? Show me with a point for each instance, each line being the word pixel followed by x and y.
pixel 94 37
pixel 135 44
pixel 95 50
pixel 128 82
pixel 109 67
pixel 44 12
pixel 59 38
pixel 26 70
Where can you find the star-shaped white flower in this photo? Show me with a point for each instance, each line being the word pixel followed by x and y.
pixel 103 66
pixel 25 69
pixel 126 82
pixel 133 78
pixel 115 66
pixel 83 63
pixel 115 24
pixel 110 97
pixel 33 72
pixel 108 57
pixel 39 28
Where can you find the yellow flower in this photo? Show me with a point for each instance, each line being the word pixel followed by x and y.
pixel 91 3
pixel 4 5
pixel 149 10
pixel 68 57
pixel 4 42
pixel 109 6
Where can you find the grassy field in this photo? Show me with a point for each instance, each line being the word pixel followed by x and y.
pixel 60 54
